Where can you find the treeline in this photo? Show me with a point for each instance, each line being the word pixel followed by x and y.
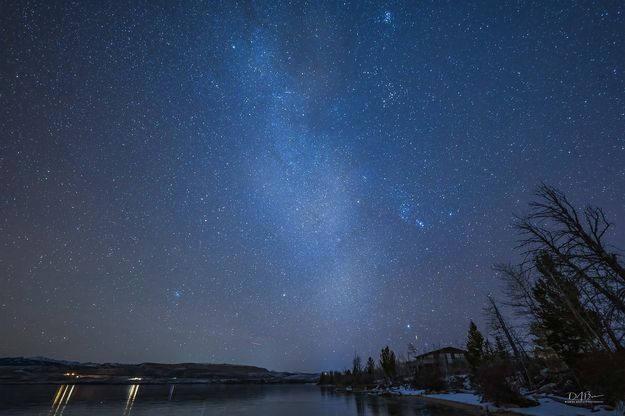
pixel 564 326
pixel 367 374
pixel 559 327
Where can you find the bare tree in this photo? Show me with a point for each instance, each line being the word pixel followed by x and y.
pixel 575 243
pixel 518 289
pixel 500 325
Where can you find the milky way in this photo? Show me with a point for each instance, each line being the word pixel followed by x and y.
pixel 283 184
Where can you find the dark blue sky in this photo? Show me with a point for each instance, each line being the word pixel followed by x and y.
pixel 282 184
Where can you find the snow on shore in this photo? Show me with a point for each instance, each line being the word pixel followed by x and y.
pixel 550 407
pixel 547 407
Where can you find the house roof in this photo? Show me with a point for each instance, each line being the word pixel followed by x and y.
pixel 443 350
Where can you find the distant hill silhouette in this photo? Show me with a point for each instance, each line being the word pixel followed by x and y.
pixel 27 370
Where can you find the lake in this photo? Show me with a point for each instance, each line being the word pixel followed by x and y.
pixel 171 400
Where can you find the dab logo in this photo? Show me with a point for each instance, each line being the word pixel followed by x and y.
pixel 584 397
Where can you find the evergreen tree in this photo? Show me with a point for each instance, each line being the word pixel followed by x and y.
pixel 388 362
pixel 500 348
pixel 475 349
pixel 370 366
pixel 562 323
pixel 356 365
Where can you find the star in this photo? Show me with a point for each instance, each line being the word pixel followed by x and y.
pixel 388 17
pixel 225 174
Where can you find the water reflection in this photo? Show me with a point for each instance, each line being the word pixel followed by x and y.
pixel 132 395
pixel 183 399
pixel 61 399
pixel 365 405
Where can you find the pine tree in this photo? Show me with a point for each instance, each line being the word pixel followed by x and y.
pixel 500 349
pixel 562 323
pixel 356 365
pixel 370 366
pixel 388 362
pixel 475 349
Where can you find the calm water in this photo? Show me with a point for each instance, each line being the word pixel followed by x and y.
pixel 201 400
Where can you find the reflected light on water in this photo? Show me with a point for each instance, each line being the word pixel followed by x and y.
pixel 195 400
pixel 61 398
pixel 132 394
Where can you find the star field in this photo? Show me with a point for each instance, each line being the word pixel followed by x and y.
pixel 283 183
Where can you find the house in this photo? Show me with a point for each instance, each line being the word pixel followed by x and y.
pixel 447 361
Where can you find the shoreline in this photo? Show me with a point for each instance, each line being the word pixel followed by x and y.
pixel 473 409
pixel 472 406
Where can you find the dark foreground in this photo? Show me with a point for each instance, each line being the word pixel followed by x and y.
pixel 274 400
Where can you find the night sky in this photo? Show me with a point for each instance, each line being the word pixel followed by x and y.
pixel 284 183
